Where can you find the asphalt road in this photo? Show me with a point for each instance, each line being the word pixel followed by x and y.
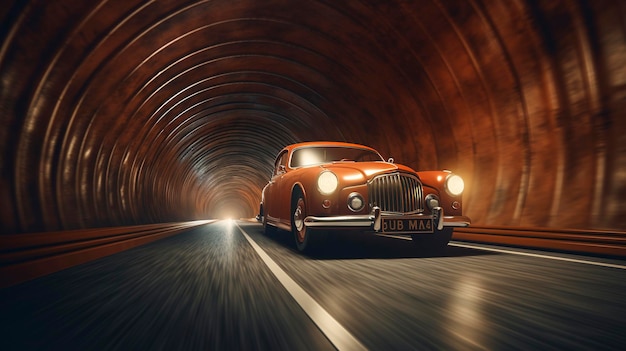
pixel 226 286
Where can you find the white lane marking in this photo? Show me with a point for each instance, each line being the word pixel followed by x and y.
pixel 335 332
pixel 468 246
pixel 602 264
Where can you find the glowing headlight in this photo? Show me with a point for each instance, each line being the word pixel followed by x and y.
pixel 454 185
pixel 327 182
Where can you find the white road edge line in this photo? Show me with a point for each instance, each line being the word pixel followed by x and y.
pixel 335 332
pixel 468 246
pixel 610 265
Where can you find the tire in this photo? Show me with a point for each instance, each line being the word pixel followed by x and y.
pixel 433 243
pixel 307 240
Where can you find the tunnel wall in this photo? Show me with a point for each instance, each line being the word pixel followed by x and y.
pixel 127 112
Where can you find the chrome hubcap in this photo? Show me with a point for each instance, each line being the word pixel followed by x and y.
pixel 297 219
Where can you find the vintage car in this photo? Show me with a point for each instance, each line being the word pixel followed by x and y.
pixel 321 187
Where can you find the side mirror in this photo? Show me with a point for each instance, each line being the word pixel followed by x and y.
pixel 282 169
pixel 390 160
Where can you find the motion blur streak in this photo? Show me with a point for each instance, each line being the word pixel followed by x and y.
pixel 464 315
pixel 209 289
pixel 336 333
pixel 122 112
pixel 202 290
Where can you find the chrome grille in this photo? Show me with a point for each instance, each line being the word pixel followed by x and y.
pixel 396 192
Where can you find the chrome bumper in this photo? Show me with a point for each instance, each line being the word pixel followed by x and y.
pixel 373 220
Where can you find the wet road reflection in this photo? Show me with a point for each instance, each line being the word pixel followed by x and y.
pixel 209 289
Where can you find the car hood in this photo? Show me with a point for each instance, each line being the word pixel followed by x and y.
pixel 366 169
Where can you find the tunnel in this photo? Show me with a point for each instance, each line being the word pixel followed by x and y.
pixel 131 112
pixel 154 126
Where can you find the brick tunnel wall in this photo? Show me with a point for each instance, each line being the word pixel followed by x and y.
pixel 131 112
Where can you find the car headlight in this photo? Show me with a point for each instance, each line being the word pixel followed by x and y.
pixel 454 185
pixel 355 202
pixel 432 201
pixel 327 182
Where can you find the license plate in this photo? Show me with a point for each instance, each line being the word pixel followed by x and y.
pixel 407 225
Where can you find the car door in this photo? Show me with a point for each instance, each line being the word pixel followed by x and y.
pixel 272 194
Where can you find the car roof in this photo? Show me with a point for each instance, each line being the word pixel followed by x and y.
pixel 326 143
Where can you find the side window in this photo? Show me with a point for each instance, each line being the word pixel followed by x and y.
pixel 281 160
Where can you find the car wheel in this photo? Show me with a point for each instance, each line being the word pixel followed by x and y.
pixel 433 243
pixel 306 239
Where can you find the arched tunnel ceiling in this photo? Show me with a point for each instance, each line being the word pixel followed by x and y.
pixel 128 112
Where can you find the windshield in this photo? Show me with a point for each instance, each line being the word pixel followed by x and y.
pixel 326 154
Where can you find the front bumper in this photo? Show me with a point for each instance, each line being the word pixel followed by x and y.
pixel 373 220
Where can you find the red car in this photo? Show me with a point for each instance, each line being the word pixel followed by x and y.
pixel 321 186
